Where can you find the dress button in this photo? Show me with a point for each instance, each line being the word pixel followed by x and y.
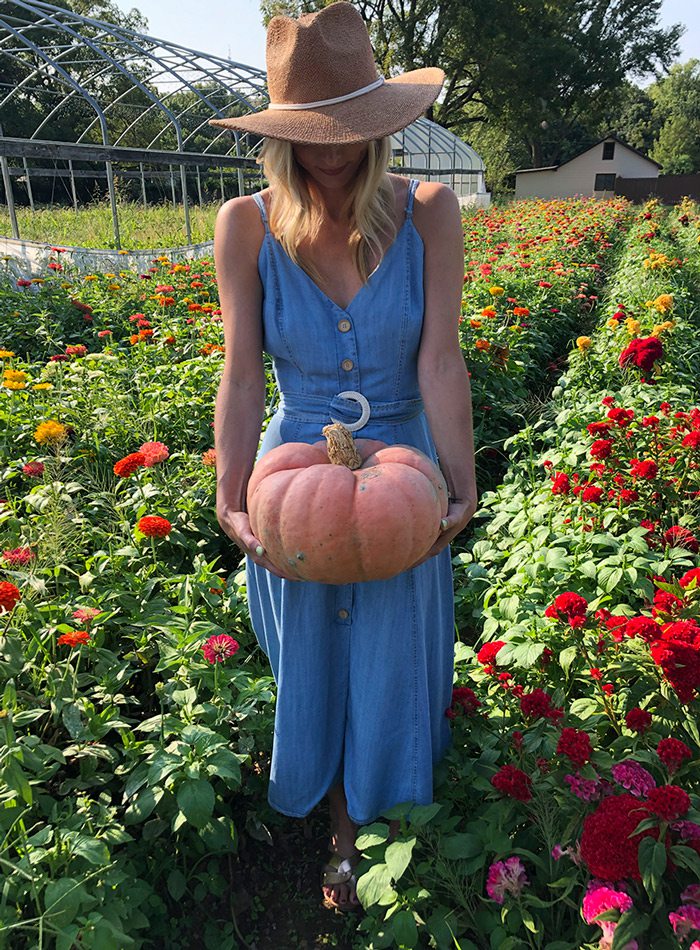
pixel 344 325
pixel 347 364
pixel 343 614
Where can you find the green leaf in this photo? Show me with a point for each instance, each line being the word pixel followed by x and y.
pixel 374 834
pixel 398 856
pixel 405 931
pixel 421 814
pixel 461 846
pixel 630 926
pixel 371 886
pixel 13 775
pixel 62 899
pixel 92 849
pixel 652 864
pixel 567 657
pixel 196 800
pixel 177 885
pixel 142 805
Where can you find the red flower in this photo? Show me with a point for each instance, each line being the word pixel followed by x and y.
pixel 219 647
pixel 568 606
pixel 646 468
pixel 638 720
pixel 538 705
pixel 128 465
pixel 153 526
pixel 487 654
pixel 74 638
pixel 692 575
pixel 678 537
pixel 560 484
pixel 621 417
pixel 607 847
pixel 464 702
pixel 601 448
pixel 33 469
pixel 10 596
pixel 599 428
pixel 575 744
pixel 666 603
pixel 643 627
pixel 673 753
pixel 692 440
pixel 592 493
pixel 669 802
pixel 642 352
pixel 513 782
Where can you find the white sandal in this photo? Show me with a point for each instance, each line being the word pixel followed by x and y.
pixel 339 870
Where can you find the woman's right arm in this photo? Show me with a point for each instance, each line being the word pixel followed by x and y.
pixel 240 400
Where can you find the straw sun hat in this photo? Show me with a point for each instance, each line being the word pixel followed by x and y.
pixel 324 87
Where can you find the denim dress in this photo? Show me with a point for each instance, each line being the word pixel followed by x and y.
pixel 363 671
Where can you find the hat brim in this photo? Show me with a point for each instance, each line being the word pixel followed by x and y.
pixel 387 109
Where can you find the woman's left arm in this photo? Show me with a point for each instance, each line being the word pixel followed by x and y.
pixel 442 373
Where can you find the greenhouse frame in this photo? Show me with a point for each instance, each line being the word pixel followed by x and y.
pixel 109 105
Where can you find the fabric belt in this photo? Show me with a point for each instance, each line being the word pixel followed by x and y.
pixel 348 409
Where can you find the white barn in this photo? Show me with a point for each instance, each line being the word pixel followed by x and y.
pixel 591 172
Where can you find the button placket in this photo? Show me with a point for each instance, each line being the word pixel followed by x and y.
pixel 343 605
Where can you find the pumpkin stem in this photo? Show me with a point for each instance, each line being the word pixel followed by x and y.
pixel 341 447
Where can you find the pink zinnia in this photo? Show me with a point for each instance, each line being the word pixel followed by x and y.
pixel 18 557
pixel 154 452
pixel 33 469
pixel 220 647
pixel 506 877
pixel 85 614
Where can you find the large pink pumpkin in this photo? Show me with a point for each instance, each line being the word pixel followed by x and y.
pixel 321 520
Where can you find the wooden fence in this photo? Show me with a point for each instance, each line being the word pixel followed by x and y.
pixel 668 188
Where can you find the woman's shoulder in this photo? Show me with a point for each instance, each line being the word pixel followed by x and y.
pixel 240 222
pixel 435 206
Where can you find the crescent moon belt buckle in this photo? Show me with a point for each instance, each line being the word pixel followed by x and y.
pixel 356 397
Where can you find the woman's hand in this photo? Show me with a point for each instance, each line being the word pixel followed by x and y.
pixel 236 524
pixel 459 514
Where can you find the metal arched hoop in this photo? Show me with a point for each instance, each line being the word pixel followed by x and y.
pixel 356 397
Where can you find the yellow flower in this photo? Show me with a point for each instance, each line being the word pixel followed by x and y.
pixel 65 285
pixel 124 273
pixel 496 291
pixel 38 280
pixel 614 324
pixel 633 326
pixel 14 375
pixel 122 252
pixel 663 303
pixel 515 328
pixel 179 267
pixel 109 276
pixel 583 343
pixel 662 327
pixel 14 384
pixel 6 354
pixel 90 277
pixel 113 286
pixel 42 386
pixel 50 431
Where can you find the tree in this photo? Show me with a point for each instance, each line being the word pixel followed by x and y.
pixel 676 101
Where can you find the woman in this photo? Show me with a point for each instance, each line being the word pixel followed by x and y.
pixel 351 279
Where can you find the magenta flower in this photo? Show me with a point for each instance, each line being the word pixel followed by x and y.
pixel 587 789
pixel 506 877
pixel 601 897
pixel 685 919
pixel 18 557
pixel 220 647
pixel 632 776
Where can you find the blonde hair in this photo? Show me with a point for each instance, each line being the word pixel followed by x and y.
pixel 295 216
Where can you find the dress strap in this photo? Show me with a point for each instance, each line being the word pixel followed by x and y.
pixel 412 185
pixel 257 198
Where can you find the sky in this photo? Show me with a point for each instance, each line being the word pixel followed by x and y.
pixel 233 28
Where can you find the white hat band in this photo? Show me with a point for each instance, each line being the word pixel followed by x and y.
pixel 327 102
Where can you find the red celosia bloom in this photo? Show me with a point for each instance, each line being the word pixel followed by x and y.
pixel 621 417
pixel 642 352
pixel 606 846
pixel 692 440
pixel 651 422
pixel 673 753
pixel 644 468
pixel 643 627
pixel 74 638
pixel 9 596
pixel 153 526
pixel 487 654
pixel 680 663
pixel 692 575
pixel 18 557
pixel 568 606
pixel 538 705
pixel 219 647
pixel 598 428
pixel 601 448
pixel 638 720
pixel 33 469
pixel 128 465
pixel 666 603
pixel 679 537
pixel 608 689
pixel 560 484
pixel 607 400
pixel 669 802
pixel 464 702
pixel 592 493
pixel 575 744
pixel 595 673
pixel 513 782
pixel 628 495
